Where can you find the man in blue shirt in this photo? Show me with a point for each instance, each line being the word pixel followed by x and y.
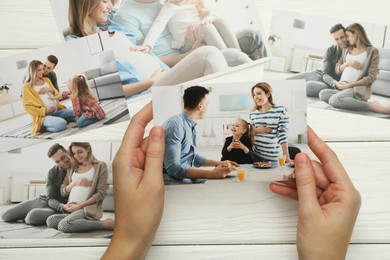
pixel 181 163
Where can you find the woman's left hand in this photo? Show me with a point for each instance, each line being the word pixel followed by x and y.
pixel 343 85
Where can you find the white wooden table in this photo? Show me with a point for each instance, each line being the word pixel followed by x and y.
pixel 227 220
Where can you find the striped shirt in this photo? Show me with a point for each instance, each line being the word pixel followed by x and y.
pixel 267 146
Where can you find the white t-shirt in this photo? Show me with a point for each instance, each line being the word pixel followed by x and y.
pixel 80 193
pixel 351 74
pixel 45 97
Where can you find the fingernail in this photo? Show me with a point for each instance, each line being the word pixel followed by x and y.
pixel 156 133
pixel 301 160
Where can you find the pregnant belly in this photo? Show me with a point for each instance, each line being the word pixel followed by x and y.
pixel 350 74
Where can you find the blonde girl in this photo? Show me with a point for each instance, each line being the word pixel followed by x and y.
pixel 85 105
pixel 238 146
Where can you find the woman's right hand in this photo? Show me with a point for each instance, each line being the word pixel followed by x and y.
pixel 328 203
pixel 50 110
pixel 83 182
pixel 263 129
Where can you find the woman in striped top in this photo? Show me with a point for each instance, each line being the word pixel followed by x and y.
pixel 270 124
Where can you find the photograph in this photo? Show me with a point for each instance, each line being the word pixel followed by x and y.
pixel 159 43
pixel 61 190
pixel 221 131
pixel 345 63
pixel 61 90
pixel 194 129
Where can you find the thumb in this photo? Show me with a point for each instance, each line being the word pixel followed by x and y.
pixel 306 184
pixel 154 157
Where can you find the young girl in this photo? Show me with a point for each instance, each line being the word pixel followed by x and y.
pixel 184 16
pixel 238 147
pixel 86 185
pixel 271 125
pixel 85 105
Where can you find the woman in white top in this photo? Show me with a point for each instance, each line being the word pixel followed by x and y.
pixel 359 67
pixel 86 184
pixel 178 15
pixel 47 113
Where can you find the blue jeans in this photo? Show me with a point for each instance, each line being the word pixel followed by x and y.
pixel 84 121
pixel 57 121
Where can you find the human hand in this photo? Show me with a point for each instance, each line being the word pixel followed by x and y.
pixel 82 182
pixel 208 19
pixel 156 75
pixel 220 171
pixel 328 203
pixel 191 32
pixel 72 207
pixel 199 42
pixel 138 183
pixel 143 48
pixel 44 90
pixel 263 129
pixel 343 85
pixel 355 64
pixel 51 96
pixel 50 110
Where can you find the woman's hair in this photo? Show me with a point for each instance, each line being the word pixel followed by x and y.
pixel 78 15
pixel 82 90
pixel 267 90
pixel 91 158
pixel 361 34
pixel 249 129
pixel 32 70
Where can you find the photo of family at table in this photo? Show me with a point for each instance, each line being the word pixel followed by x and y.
pixel 260 134
pixel 53 93
pixel 165 44
pixel 351 75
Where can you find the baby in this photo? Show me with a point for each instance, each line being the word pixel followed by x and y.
pixel 238 147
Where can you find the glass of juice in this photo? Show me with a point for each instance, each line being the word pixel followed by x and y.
pixel 282 159
pixel 241 174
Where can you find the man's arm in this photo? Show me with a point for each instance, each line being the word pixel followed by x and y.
pixel 329 68
pixel 52 190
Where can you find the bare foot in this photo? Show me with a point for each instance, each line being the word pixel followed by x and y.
pixel 377 107
pixel 108 224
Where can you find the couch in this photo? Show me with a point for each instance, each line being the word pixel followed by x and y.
pixel 382 84
pixel 108 202
pixel 105 81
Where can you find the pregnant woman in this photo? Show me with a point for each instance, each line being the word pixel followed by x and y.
pixel 86 184
pixel 359 68
pixel 270 124
pixel 39 100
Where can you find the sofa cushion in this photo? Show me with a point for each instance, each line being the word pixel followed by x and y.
pixel 107 63
pixel 384 56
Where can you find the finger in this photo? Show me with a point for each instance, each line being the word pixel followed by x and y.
pixel 284 189
pixel 332 167
pixel 306 183
pixel 136 129
pixel 153 175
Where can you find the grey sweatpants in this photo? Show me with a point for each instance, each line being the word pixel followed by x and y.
pixel 33 212
pixel 73 222
pixel 343 99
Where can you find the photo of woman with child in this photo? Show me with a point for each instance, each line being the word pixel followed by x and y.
pixel 257 135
